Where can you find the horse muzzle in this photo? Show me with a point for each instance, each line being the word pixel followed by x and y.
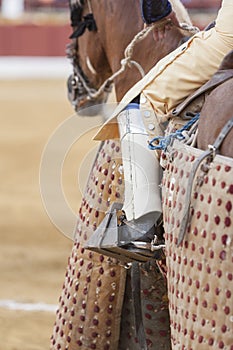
pixel 76 91
pixel 81 99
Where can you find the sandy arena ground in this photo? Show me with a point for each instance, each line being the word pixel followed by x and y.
pixel 33 253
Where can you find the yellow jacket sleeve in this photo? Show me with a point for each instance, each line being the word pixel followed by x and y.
pixel 181 72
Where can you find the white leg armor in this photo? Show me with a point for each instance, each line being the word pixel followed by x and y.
pixel 141 168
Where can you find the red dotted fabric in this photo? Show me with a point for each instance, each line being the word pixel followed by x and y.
pixel 95 308
pixel 200 271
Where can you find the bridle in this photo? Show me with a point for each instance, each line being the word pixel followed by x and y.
pixel 79 88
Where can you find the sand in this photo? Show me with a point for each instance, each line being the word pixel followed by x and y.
pixel 33 253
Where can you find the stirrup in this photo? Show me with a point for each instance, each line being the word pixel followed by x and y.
pixel 122 241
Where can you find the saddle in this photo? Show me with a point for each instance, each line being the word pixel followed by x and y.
pixel 195 101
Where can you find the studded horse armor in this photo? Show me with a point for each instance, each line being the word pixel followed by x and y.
pixel 200 270
pixel 96 309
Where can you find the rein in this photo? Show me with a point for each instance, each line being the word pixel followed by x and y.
pixel 185 134
pixel 79 88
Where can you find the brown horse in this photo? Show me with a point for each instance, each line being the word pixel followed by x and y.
pixel 96 307
pixel 99 52
pixel 216 111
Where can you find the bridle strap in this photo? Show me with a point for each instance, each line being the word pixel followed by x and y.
pixel 88 22
pixel 136 299
pixel 89 6
pixel 126 61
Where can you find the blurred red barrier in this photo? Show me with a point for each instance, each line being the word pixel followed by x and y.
pixel 34 40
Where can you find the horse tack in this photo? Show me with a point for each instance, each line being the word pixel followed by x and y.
pixel 89 315
pixel 91 301
pixel 96 307
pixel 78 85
pixel 154 308
pixel 200 279
pixel 227 62
pixel 80 90
pixel 195 101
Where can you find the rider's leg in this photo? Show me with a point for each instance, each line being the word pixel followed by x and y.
pixel 142 203
pixel 181 72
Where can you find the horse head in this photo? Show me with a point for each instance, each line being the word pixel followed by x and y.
pixel 101 32
pixel 90 64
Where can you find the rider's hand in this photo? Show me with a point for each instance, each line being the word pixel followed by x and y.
pixel 160 31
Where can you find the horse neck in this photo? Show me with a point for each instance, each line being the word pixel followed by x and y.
pixel 118 22
pixel 147 54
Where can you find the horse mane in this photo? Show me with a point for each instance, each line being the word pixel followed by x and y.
pixel 181 12
pixel 76 11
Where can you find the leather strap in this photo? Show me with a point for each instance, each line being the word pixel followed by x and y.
pixel 136 296
pixel 213 149
pixel 218 78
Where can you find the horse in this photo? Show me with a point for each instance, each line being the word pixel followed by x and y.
pixel 199 224
pixel 216 111
pixel 97 306
pixel 101 50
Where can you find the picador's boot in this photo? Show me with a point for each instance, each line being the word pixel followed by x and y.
pixel 129 233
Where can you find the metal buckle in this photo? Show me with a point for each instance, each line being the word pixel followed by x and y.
pixel 72 87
